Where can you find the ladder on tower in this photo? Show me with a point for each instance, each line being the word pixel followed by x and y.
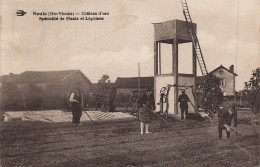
pixel 195 40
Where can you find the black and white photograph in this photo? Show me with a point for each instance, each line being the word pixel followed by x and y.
pixel 129 83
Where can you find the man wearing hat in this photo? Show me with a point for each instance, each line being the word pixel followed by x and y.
pixel 76 109
pixel 183 99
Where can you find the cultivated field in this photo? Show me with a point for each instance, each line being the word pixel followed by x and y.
pixel 118 143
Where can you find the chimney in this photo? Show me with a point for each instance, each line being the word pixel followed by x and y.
pixel 231 68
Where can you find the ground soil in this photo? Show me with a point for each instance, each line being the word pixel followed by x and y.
pixel 119 143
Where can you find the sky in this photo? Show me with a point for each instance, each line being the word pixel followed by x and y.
pixel 228 31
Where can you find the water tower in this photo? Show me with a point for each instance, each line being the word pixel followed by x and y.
pixel 175 33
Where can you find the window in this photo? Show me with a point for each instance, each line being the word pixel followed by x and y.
pixel 223 82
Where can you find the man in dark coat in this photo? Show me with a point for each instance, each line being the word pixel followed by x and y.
pixel 147 105
pixel 76 109
pixel 184 99
pixel 225 116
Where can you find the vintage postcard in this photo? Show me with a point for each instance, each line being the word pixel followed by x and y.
pixel 129 83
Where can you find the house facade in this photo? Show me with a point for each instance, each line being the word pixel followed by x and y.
pixel 227 76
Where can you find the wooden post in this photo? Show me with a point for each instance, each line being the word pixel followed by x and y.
pixel 155 58
pixel 194 63
pixel 139 84
pixel 175 72
pixel 194 72
pixel 160 59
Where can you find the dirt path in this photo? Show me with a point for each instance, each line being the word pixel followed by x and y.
pixel 182 143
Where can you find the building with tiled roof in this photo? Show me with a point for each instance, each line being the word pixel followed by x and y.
pixel 47 76
pixel 43 89
pixel 227 76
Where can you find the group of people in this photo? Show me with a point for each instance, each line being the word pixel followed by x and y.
pixel 147 109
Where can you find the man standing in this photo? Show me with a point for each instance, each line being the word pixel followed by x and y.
pixel 76 109
pixel 183 99
pixel 225 116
